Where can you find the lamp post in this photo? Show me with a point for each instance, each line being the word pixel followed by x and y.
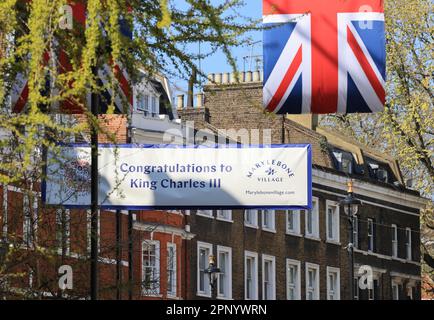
pixel 351 207
pixel 212 272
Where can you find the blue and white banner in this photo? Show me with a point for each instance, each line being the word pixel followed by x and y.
pixel 174 177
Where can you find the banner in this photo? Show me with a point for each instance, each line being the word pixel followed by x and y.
pixel 135 177
pixel 324 56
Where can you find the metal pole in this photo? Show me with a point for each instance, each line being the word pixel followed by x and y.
pixel 130 255
pixel 118 255
pixel 94 200
pixel 351 251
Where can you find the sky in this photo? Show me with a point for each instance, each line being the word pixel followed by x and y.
pixel 217 63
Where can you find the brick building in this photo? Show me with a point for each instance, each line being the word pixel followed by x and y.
pixel 262 254
pixel 267 254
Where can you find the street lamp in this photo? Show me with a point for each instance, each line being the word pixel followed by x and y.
pixel 212 272
pixel 351 207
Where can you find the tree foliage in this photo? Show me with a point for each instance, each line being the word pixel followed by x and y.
pixel 406 127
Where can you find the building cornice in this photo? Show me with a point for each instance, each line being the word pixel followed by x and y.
pixel 368 190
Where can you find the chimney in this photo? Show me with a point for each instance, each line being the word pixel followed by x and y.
pixel 180 102
pixel 309 121
pixel 199 100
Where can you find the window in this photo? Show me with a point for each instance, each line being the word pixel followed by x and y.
pixel 410 292
pixel 371 236
pixel 408 243
pixel 171 269
pixel 332 221
pixel 293 222
pixel 251 275
pixel 293 280
pixel 205 213
pixel 268 222
pixel 151 267
pixel 378 171
pixel 251 218
pixel 224 261
pixel 356 289
pixel 28 220
pixel 154 106
pixel 224 215
pixel 204 250
pixel 343 161
pixel 333 284
pixel 268 277
pixel 63 230
pixel 143 102
pixel 356 232
pixel 312 281
pixel 395 291
pixel 394 241
pixel 372 293
pixel 312 220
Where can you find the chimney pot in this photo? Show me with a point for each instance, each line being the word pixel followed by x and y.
pixel 248 76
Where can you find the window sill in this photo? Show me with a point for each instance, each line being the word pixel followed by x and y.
pixel 203 295
pixel 294 234
pixel 268 230
pixel 251 226
pixel 204 215
pixel 152 295
pixel 172 297
pixel 224 298
pixel 225 220
pixel 313 238
pixel 337 243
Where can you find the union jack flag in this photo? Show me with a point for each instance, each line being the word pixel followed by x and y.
pixel 20 89
pixel 324 56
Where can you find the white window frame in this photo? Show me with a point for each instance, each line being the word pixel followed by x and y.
pixel 157 273
pixel 272 277
pixel 408 244
pixel 371 236
pixel 224 215
pixel 228 273
pixel 172 290
pixel 207 286
pixel 337 273
pixel 254 257
pixel 205 213
pixel 254 214
pixel 315 267
pixel 297 285
pixel 315 220
pixel 296 222
pixel 335 221
pixel 271 227
pixel 394 241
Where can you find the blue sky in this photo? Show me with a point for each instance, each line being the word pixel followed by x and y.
pixel 217 62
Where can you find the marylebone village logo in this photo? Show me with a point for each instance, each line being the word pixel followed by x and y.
pixel 77 175
pixel 270 171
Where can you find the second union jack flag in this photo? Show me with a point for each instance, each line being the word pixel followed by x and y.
pixel 324 56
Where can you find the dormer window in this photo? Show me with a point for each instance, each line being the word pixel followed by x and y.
pixel 143 102
pixel 378 171
pixel 343 161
